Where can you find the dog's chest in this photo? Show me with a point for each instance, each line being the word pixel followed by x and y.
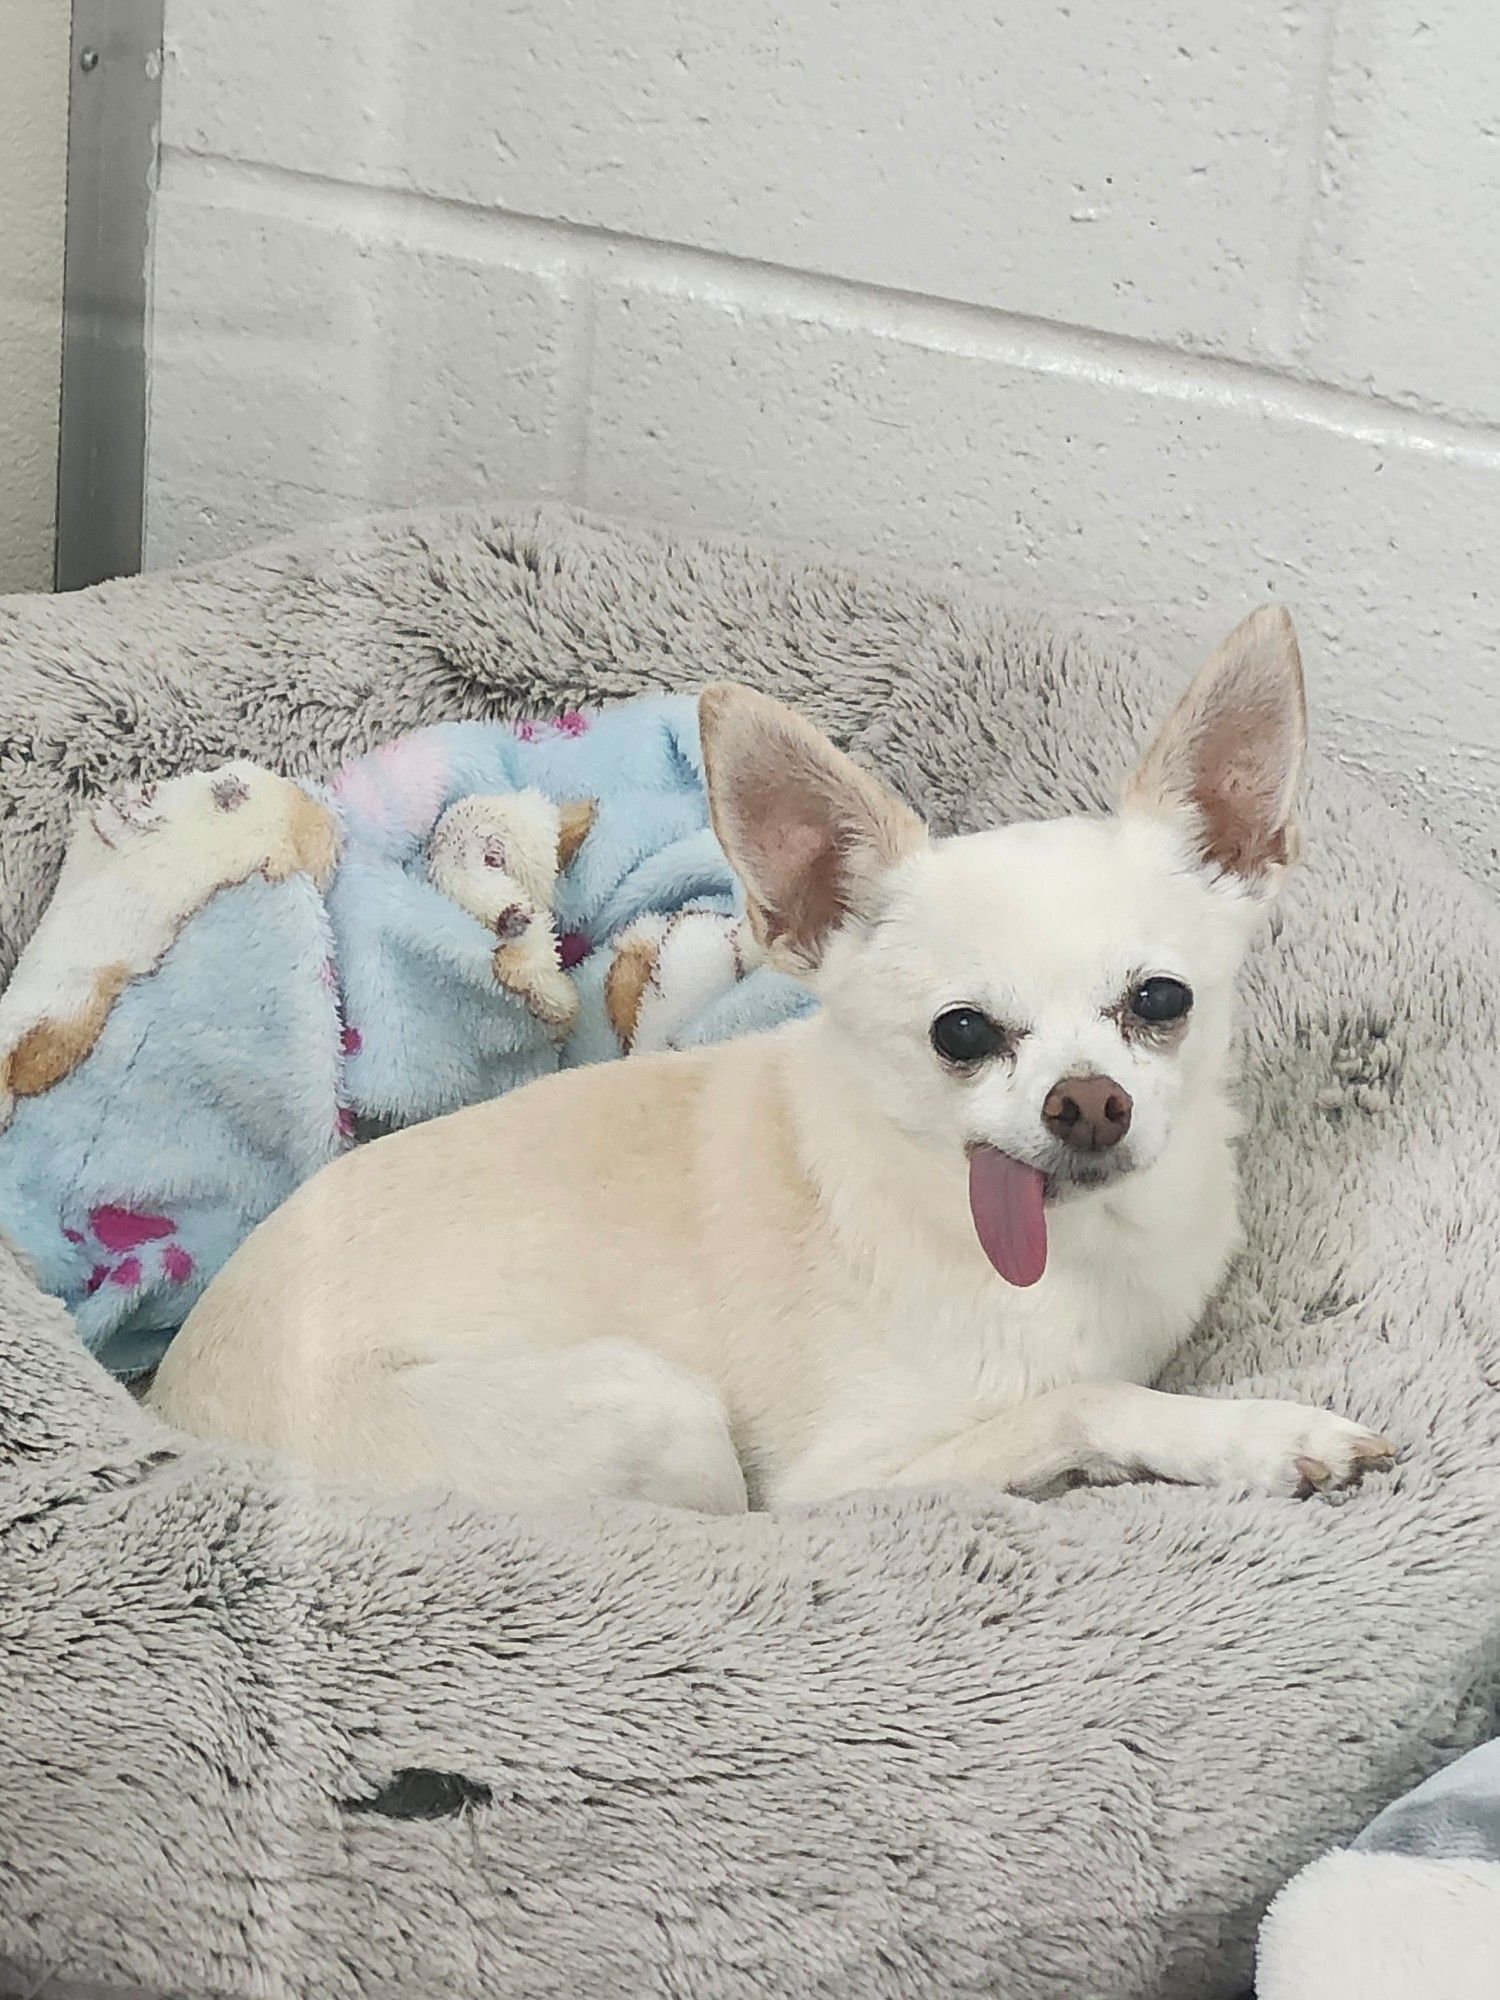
pixel 936 1351
pixel 1081 1329
pixel 1116 1300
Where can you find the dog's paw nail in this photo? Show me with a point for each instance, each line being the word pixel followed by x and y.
pixel 1314 1473
pixel 1374 1450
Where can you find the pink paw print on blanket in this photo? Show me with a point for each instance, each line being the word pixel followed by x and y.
pixel 572 722
pixel 130 1239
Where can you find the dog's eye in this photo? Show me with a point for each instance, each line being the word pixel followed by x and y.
pixel 1160 1000
pixel 964 1035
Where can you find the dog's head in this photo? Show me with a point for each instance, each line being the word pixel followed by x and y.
pixel 1043 998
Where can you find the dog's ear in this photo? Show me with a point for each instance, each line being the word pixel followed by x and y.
pixel 1229 758
pixel 808 833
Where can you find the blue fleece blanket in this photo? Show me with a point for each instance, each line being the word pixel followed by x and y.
pixel 1455 1815
pixel 239 977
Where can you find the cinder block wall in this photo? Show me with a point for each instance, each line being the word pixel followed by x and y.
pixel 1142 310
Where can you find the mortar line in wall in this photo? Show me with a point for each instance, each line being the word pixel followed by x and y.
pixel 1309 146
pixel 959 327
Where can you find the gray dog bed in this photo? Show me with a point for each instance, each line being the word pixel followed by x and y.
pixel 257 1738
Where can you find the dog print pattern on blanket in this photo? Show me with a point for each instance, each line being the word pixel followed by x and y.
pixel 240 976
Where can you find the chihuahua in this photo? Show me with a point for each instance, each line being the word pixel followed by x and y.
pixel 947 1229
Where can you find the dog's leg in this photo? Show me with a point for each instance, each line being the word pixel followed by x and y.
pixel 508 1426
pixel 1106 1431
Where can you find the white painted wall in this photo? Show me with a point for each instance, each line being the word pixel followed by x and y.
pixel 1142 310
pixel 33 194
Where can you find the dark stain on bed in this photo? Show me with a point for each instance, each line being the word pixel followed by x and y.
pixel 422 1794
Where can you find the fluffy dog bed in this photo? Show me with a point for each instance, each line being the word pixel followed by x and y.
pixel 258 1738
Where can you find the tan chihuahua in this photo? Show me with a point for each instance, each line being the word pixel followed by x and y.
pixel 946 1229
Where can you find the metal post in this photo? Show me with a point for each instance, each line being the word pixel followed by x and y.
pixel 114 104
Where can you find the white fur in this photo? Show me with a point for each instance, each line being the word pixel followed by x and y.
pixel 697 955
pixel 750 1272
pixel 1371 1926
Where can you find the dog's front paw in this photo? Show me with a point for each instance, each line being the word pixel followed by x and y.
pixel 1290 1448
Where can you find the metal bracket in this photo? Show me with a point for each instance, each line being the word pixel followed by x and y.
pixel 114 106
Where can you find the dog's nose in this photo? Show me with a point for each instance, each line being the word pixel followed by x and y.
pixel 1089 1113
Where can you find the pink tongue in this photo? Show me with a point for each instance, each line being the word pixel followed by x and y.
pixel 1005 1200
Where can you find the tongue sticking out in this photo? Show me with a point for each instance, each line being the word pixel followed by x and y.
pixel 1005 1200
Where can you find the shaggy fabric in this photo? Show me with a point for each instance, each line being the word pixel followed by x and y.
pixel 312 964
pixel 258 1738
